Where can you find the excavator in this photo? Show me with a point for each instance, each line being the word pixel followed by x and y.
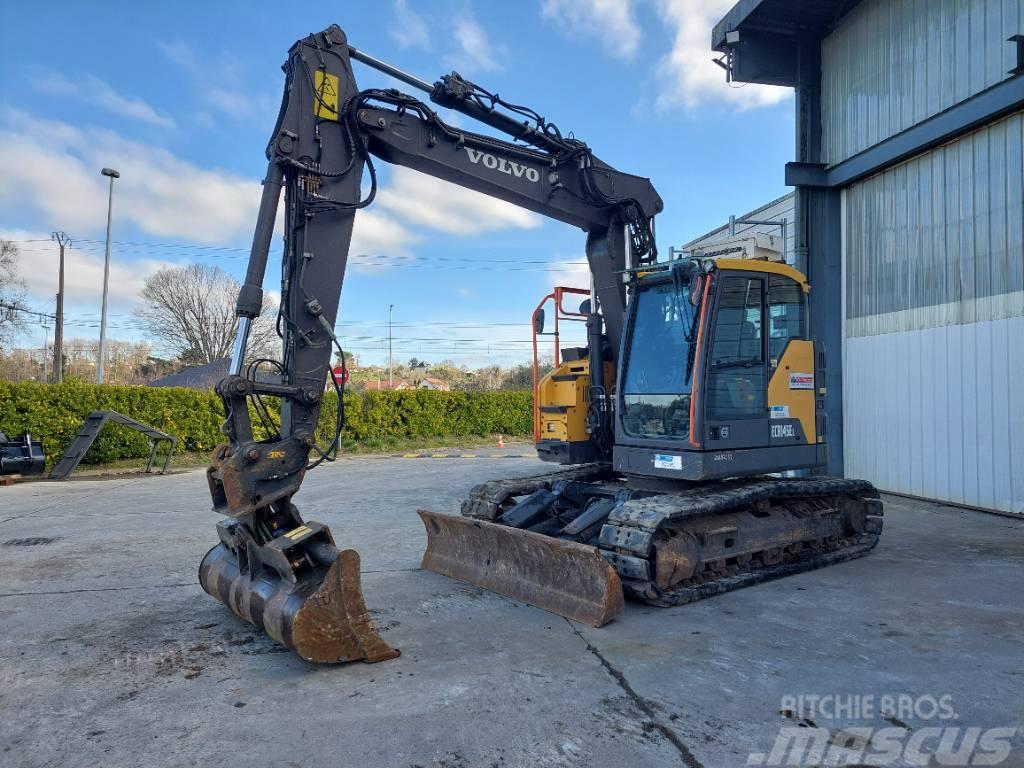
pixel 680 427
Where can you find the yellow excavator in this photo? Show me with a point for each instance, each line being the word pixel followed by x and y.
pixel 699 386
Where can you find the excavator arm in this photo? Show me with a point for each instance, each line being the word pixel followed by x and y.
pixel 272 568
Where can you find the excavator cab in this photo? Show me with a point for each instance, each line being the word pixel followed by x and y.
pixel 719 376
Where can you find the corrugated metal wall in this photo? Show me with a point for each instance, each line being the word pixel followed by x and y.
pixel 939 413
pixel 777 210
pixel 893 63
pixel 939 240
pixel 934 307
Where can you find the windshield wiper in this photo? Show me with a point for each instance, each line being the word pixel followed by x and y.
pixel 691 338
pixel 748 363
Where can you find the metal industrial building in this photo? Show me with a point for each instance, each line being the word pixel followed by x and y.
pixel 769 218
pixel 907 217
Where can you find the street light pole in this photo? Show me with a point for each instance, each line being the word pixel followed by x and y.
pixel 112 174
pixel 391 308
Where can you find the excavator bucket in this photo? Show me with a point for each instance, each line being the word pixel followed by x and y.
pixel 564 577
pixel 321 616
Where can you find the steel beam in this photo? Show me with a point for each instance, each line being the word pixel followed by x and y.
pixel 982 108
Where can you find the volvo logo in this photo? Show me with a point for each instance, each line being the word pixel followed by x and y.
pixel 502 165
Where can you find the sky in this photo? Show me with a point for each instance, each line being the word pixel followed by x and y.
pixel 181 99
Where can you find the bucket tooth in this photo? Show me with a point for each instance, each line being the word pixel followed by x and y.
pixel 564 577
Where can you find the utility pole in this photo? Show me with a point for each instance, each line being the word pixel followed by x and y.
pixel 112 174
pixel 46 343
pixel 391 308
pixel 58 331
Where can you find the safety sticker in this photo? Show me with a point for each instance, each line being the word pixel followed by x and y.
pixel 801 381
pixel 780 411
pixel 667 461
pixel 298 533
pixel 325 100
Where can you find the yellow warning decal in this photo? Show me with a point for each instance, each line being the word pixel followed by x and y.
pixel 298 533
pixel 325 100
pixel 275 454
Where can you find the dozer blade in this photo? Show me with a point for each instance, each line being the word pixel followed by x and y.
pixel 324 620
pixel 564 577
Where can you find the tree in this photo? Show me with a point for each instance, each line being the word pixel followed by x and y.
pixel 190 312
pixel 12 292
pixel 351 362
pixel 486 379
pixel 521 376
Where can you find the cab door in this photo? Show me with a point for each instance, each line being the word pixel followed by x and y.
pixel 735 408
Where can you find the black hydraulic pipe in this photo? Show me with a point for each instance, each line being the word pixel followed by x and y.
pixel 442 94
pixel 517 129
pixel 597 420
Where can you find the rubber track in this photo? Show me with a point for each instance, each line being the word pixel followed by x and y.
pixel 647 514
pixel 651 513
pixel 681 595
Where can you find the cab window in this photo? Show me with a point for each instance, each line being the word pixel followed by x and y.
pixel 736 377
pixel 658 380
pixel 787 310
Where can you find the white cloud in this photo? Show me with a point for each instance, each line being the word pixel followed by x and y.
pixel 476 52
pixel 92 90
pixel 220 82
pixel 54 167
pixel 378 233
pixel 611 21
pixel 687 74
pixel 377 239
pixel 430 202
pixel 83 272
pixel 571 272
pixel 409 30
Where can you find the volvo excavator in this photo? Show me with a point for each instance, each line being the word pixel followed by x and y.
pixel 699 387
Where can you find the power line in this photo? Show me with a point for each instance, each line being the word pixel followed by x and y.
pixel 84 316
pixel 383 259
pixel 25 311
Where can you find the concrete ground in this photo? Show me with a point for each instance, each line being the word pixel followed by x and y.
pixel 111 655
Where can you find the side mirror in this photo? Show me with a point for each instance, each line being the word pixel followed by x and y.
pixel 585 307
pixel 697 289
pixel 538 322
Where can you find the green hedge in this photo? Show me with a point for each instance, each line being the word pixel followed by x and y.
pixel 55 412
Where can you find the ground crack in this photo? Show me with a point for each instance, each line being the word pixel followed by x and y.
pixel 640 702
pixel 97 589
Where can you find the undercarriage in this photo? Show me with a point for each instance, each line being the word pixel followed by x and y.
pixel 664 548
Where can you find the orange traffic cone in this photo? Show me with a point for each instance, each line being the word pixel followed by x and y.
pixel 501 442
